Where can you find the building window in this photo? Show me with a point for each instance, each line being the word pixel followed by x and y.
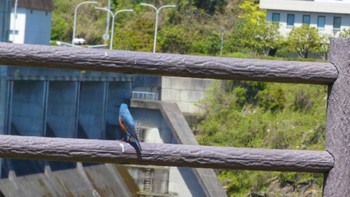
pixel 13 32
pixel 336 23
pixel 321 22
pixel 306 19
pixel 290 20
pixel 276 17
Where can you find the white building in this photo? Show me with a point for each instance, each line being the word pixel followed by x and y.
pixel 329 16
pixel 32 22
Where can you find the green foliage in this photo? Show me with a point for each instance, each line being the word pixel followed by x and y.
pixel 267 37
pixel 89 26
pixel 272 99
pixel 210 6
pixel 323 47
pixel 60 29
pixel 303 40
pixel 192 27
pixel 185 27
pixel 207 44
pixel 302 101
pixel 253 32
pixel 345 33
pixel 252 13
pixel 62 21
pixel 176 39
pixel 238 184
pixel 132 38
pixel 263 115
pixel 245 92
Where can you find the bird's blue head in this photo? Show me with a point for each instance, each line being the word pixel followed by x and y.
pixel 123 107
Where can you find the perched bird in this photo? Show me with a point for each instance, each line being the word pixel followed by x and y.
pixel 127 125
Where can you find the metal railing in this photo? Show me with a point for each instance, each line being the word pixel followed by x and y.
pixel 152 96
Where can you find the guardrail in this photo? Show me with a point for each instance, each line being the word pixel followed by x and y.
pixel 152 96
pixel 333 162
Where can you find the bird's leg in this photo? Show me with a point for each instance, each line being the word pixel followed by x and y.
pixel 123 137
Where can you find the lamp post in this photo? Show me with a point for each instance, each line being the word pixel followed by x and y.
pixel 75 17
pixel 222 40
pixel 108 19
pixel 113 17
pixel 156 25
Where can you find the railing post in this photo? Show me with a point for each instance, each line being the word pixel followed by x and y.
pixel 337 181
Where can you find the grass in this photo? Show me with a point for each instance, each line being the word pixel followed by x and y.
pixel 266 115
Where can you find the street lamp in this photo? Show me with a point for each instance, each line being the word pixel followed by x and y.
pixel 156 25
pixel 75 17
pixel 222 40
pixel 108 19
pixel 113 17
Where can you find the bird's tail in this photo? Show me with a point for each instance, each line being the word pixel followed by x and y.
pixel 136 144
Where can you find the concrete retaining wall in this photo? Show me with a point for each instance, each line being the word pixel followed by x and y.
pixel 186 92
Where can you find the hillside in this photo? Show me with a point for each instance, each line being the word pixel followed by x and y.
pixel 265 115
pixel 181 30
pixel 240 114
pixel 90 26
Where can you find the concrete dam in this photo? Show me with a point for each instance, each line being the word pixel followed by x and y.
pixel 79 104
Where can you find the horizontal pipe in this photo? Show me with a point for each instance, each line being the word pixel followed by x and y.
pixel 108 151
pixel 167 64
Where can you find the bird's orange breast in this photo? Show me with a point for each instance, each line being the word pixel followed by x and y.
pixel 122 125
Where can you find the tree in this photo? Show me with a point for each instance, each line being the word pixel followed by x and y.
pixel 60 29
pixel 303 40
pixel 345 33
pixel 207 44
pixel 136 35
pixel 210 6
pixel 267 37
pixel 253 32
pixel 323 47
pixel 176 39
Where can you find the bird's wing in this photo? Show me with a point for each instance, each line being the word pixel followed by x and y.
pixel 129 124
